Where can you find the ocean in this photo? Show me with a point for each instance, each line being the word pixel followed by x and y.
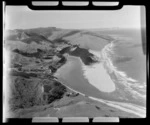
pixel 129 47
pixel 126 56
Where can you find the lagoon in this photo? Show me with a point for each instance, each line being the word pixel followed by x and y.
pixel 89 80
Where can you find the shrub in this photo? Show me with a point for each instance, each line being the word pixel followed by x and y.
pixel 57 91
pixel 47 88
pixel 24 94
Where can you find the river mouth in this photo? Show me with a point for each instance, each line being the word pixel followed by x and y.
pixel 136 67
pixel 95 80
pixel 94 74
pixel 72 75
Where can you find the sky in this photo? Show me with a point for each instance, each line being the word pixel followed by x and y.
pixel 21 17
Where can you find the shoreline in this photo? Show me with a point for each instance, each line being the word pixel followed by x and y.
pixel 101 80
pixel 124 106
pixel 110 103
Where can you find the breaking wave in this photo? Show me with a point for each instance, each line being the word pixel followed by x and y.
pixel 131 85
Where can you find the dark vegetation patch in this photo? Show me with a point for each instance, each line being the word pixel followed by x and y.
pixel 58 64
pixel 23 74
pixel 48 57
pixel 27 93
pixel 72 94
pixel 59 40
pixel 65 50
pixel 106 115
pixel 84 55
pixel 47 88
pixel 111 110
pixel 17 65
pixel 53 91
pixel 36 38
pixel 24 94
pixel 36 70
pixel 35 54
pixel 62 60
pixel 71 33
pixel 45 54
pixel 53 69
pixel 36 61
pixel 97 107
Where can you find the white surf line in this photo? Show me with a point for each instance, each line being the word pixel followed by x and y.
pixel 132 107
pixel 104 54
pixel 121 76
pixel 140 112
pixel 127 105
pixel 102 100
pixel 122 106
pixel 106 59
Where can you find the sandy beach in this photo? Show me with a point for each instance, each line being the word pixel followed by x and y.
pixel 98 77
pixel 95 80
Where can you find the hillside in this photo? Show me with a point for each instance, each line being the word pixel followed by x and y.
pixel 35 56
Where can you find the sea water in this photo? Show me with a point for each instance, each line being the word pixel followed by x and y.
pixel 94 80
pixel 129 45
